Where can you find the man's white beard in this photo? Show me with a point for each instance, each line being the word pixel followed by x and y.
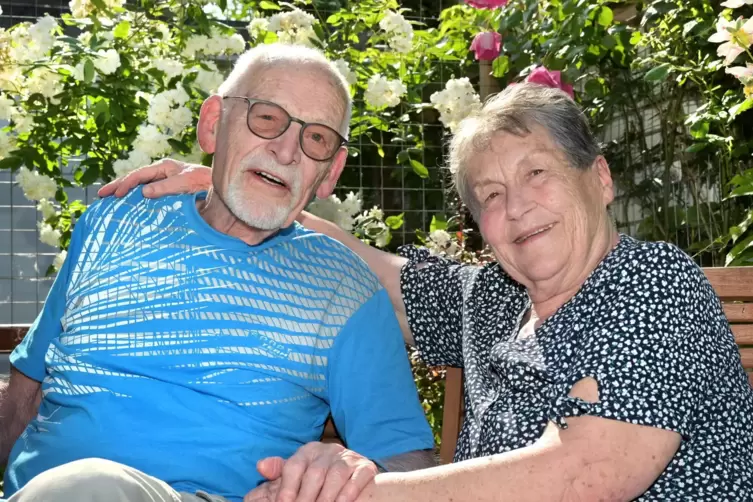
pixel 249 209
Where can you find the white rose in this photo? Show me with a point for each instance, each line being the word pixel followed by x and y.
pixel 7 108
pixel 352 204
pixel 57 263
pixel 440 237
pixel 257 26
pixel 47 209
pixel 23 123
pixel 80 8
pixel 376 213
pixel 171 67
pixel 107 62
pixel 455 102
pixel 48 235
pixel 382 239
pixel 210 80
pixel 7 144
pixel 45 82
pixel 344 68
pixel 151 141
pixel 235 44
pixel 36 186
pixel 381 92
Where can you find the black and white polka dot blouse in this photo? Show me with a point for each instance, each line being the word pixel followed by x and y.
pixel 646 325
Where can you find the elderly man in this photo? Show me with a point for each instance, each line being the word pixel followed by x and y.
pixel 188 337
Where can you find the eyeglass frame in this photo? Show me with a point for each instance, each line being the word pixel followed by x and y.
pixel 250 102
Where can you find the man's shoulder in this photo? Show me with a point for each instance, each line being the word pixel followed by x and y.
pixel 133 204
pixel 341 263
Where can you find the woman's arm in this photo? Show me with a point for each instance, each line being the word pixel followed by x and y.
pixel 385 265
pixel 593 459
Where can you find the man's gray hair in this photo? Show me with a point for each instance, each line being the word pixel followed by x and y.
pixel 265 56
pixel 515 111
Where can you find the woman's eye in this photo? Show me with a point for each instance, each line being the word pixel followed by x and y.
pixel 536 172
pixel 491 196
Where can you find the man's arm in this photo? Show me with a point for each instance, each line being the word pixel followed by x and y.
pixel 19 402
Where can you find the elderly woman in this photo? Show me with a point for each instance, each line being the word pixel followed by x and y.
pixel 597 367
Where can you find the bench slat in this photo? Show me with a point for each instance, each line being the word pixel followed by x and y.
pixel 739 312
pixel 746 356
pixel 743 333
pixel 732 283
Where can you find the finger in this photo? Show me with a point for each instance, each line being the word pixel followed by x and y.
pixel 146 175
pixel 336 479
pixel 270 467
pixel 360 479
pixel 316 475
pixel 189 180
pixel 259 494
pixel 292 474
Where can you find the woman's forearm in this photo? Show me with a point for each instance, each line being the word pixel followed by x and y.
pixel 385 265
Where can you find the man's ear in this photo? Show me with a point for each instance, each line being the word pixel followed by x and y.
pixel 209 123
pixel 328 184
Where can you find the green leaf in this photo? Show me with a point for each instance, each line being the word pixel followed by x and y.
pixel 438 222
pixel 88 71
pixel 395 222
pixel 741 107
pixel 86 178
pixel 688 27
pixel 658 73
pixel 700 129
pixel 267 5
pixel 606 16
pixel 179 146
pixel 99 4
pixel 593 87
pixel 419 168
pixel 635 38
pixel 696 147
pixel 11 163
pixel 122 30
pixel 500 66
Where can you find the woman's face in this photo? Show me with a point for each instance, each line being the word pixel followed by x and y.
pixel 545 220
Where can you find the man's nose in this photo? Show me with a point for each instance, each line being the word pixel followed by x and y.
pixel 287 148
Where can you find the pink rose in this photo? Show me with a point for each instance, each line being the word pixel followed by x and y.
pixel 487 4
pixel 487 45
pixel 549 78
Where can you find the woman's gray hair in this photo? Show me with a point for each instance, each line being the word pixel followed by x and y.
pixel 515 111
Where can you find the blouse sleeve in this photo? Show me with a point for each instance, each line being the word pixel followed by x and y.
pixel 655 348
pixel 433 294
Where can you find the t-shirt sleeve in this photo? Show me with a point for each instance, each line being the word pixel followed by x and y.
pixel 28 356
pixel 655 348
pixel 372 395
pixel 432 289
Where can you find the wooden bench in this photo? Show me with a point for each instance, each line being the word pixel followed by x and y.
pixel 733 285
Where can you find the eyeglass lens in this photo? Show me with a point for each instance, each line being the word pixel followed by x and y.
pixel 270 121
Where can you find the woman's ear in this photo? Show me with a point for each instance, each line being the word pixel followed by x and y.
pixel 209 123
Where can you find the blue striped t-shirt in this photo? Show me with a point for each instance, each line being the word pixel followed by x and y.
pixel 190 355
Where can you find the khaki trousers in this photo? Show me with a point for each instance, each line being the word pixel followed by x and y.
pixel 99 480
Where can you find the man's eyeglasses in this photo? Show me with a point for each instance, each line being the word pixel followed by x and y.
pixel 269 121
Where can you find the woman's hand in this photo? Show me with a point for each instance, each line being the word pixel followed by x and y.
pixel 164 177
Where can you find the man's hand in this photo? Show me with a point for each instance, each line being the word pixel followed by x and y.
pixel 317 472
pixel 164 177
